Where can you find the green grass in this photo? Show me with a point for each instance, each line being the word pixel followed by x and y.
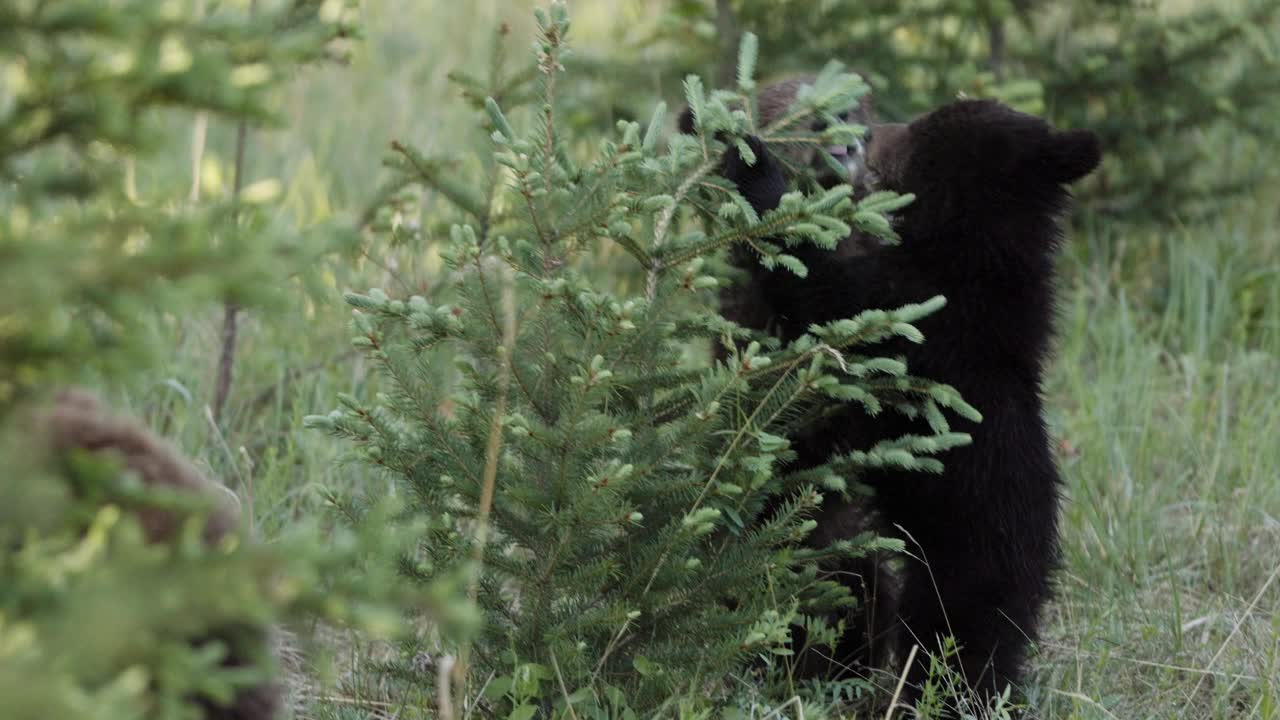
pixel 1163 396
pixel 1165 404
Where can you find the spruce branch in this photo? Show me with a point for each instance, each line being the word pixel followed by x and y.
pixel 663 226
pixel 438 175
pixel 710 481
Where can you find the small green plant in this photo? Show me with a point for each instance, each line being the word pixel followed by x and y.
pixel 624 511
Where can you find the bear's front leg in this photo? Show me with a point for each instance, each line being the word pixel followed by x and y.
pixel 761 183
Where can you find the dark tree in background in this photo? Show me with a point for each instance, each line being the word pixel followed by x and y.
pixel 102 615
pixel 1160 85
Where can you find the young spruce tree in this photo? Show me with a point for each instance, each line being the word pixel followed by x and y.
pixel 609 492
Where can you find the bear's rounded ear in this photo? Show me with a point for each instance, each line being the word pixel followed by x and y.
pixel 1072 154
pixel 684 123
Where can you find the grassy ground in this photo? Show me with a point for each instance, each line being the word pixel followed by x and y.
pixel 1164 400
pixel 1162 395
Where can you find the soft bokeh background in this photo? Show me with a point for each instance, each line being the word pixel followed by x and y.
pixel 1163 397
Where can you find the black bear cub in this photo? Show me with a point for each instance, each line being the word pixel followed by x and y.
pixel 990 184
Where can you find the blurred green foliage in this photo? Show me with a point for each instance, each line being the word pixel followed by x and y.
pixel 96 622
pixel 1152 79
pixel 84 88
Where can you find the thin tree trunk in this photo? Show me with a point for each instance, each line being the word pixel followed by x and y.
pixel 727 31
pixel 996 46
pixel 230 311
pixel 198 133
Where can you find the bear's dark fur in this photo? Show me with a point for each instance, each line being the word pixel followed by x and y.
pixel 983 230
pixel 743 301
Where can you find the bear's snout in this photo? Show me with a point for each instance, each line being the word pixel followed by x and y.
pixel 888 147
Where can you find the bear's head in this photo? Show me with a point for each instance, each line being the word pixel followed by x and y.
pixel 973 163
pixel 775 101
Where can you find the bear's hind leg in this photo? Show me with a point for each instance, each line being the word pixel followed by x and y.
pixel 990 614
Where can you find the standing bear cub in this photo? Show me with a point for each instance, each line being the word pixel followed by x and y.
pixel 990 184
